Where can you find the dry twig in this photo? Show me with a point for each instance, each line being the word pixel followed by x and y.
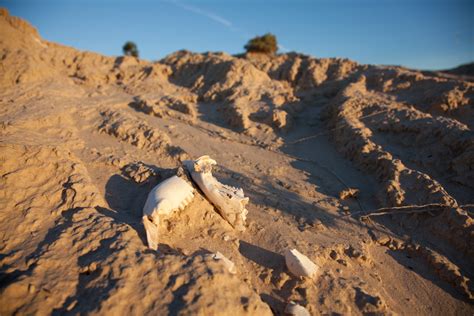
pixel 333 129
pixel 410 209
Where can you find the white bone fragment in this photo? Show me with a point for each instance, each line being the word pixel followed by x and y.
pixel 296 310
pixel 229 201
pixel 168 196
pixel 227 263
pixel 299 264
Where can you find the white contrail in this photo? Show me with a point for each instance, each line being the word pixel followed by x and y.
pixel 204 13
pixel 283 48
pixel 217 18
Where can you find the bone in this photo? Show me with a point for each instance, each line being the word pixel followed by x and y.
pixel 296 310
pixel 300 265
pixel 227 263
pixel 168 196
pixel 229 201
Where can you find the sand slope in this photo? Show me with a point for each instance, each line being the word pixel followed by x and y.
pixel 85 137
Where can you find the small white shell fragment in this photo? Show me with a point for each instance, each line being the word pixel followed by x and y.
pixel 229 201
pixel 299 264
pixel 227 263
pixel 168 196
pixel 296 310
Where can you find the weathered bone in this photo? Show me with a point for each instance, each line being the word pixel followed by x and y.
pixel 299 264
pixel 229 201
pixel 230 266
pixel 296 310
pixel 170 195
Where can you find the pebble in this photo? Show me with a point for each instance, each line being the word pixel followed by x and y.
pixel 31 288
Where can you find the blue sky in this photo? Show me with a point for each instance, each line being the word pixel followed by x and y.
pixel 420 34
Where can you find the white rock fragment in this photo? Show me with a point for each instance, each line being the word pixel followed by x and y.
pixel 170 195
pixel 227 263
pixel 296 310
pixel 299 264
pixel 229 201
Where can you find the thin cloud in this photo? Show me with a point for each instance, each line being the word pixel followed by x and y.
pixel 218 19
pixel 283 48
pixel 205 13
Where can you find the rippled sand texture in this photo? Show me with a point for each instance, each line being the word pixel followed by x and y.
pixel 85 137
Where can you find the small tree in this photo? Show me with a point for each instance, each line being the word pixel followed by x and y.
pixel 130 49
pixel 266 44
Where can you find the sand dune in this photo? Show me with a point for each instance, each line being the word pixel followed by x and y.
pixel 85 137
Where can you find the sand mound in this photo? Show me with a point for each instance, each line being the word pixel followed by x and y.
pixel 84 138
pixel 245 93
pixel 139 134
pixel 466 70
pixel 304 72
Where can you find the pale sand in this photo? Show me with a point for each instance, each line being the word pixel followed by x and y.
pixel 85 137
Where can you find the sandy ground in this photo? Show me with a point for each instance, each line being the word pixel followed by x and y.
pixel 85 137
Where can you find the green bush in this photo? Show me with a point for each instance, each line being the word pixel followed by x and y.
pixel 262 44
pixel 130 49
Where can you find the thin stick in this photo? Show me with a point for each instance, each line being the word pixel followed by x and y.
pixel 405 209
pixel 331 130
